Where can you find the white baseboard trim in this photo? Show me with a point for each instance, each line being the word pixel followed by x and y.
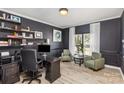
pixel 114 67
pixel 122 74
pixel 118 68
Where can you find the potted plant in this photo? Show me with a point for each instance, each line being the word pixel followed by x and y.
pixel 79 44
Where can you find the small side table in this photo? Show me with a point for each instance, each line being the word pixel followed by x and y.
pixel 78 59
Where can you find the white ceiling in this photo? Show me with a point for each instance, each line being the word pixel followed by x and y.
pixel 76 16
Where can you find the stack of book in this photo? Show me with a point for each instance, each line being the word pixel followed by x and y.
pixel 3 43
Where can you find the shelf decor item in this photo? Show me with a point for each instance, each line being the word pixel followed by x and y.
pixel 28 28
pixel 15 18
pixel 3 43
pixel 1 17
pixel 9 42
pixel 4 16
pixel 23 42
pixel 23 35
pixel 38 34
pixel 2 24
pixel 57 36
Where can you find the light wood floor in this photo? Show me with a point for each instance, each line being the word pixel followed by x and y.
pixel 71 73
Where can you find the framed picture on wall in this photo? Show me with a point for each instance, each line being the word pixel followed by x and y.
pixel 57 35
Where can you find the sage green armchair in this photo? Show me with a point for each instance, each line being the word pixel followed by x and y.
pixel 95 61
pixel 66 56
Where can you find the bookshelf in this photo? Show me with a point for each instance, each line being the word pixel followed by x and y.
pixel 12 35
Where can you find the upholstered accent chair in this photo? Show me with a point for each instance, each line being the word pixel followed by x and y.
pixel 95 61
pixel 66 56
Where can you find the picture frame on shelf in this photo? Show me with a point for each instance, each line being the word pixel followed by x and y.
pixel 38 35
pixel 15 18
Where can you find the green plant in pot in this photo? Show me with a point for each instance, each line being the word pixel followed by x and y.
pixel 81 48
pixel 79 44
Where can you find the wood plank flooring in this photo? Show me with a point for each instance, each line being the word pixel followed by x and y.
pixel 71 73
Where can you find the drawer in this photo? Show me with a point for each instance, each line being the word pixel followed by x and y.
pixel 13 78
pixel 11 71
pixel 11 65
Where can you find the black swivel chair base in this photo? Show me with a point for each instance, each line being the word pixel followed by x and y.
pixel 33 78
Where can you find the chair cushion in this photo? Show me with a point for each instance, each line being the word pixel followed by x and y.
pixel 66 52
pixel 96 55
pixel 66 58
pixel 90 63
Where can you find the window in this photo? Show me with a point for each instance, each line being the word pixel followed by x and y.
pixel 78 43
pixel 82 44
pixel 86 44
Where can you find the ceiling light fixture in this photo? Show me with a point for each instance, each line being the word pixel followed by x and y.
pixel 63 11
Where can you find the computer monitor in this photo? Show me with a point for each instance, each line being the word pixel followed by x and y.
pixel 43 48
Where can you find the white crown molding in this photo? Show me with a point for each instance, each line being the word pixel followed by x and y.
pixel 118 68
pixel 21 15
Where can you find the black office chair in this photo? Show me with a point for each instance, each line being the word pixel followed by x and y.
pixel 30 64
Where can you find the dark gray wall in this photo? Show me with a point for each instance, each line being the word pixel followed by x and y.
pixel 56 47
pixel 122 65
pixel 110 35
pixel 65 38
pixel 110 41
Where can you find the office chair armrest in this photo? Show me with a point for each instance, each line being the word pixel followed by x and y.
pixel 40 61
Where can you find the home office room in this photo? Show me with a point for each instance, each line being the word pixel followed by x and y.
pixel 70 46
